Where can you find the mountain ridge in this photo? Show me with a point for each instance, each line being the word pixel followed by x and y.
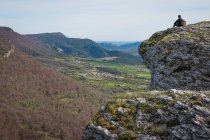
pixel 111 46
pixel 83 48
pixel 130 48
pixel 25 43
pixel 57 45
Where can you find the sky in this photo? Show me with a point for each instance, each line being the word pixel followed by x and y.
pixel 100 20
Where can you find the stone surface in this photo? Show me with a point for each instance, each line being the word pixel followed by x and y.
pixel 137 100
pixel 162 117
pixel 164 98
pixel 93 132
pixel 179 57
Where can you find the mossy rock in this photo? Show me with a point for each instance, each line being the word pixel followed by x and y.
pixel 127 135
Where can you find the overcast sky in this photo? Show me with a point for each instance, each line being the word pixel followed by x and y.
pixel 100 20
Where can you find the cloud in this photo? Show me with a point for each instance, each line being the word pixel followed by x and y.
pixel 100 19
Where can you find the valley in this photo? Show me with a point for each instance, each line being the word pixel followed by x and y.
pixel 110 76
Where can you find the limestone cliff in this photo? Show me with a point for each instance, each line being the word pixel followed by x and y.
pixel 179 57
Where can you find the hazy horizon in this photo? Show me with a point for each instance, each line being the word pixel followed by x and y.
pixel 100 20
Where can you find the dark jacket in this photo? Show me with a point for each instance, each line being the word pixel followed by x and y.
pixel 178 22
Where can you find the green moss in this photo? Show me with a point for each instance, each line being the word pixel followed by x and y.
pixel 127 119
pixel 104 123
pixel 127 122
pixel 166 38
pixel 159 37
pixel 142 94
pixel 112 108
pixel 155 38
pixel 127 135
pixel 100 121
pixel 159 105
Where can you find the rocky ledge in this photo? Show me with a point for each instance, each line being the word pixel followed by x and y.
pixel 154 115
pixel 179 57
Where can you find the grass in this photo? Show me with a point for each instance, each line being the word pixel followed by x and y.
pixel 139 94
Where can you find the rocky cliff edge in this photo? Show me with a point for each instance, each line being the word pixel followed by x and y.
pixel 179 57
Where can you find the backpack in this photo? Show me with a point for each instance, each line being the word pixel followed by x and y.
pixel 183 22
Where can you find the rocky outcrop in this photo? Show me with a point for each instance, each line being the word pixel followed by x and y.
pixel 7 54
pixel 6 47
pixel 179 57
pixel 174 114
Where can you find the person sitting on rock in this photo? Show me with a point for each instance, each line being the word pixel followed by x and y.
pixel 179 22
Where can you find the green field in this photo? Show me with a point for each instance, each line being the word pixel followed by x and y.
pixel 119 78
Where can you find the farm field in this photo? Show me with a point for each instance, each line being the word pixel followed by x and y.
pixel 100 73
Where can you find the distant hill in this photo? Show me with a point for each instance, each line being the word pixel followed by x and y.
pixel 130 48
pixel 73 46
pixel 58 45
pixel 26 44
pixel 133 51
pixel 117 43
pixel 111 46
pixel 37 102
pixel 82 48
pixel 108 46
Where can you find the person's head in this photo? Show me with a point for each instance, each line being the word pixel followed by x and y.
pixel 179 16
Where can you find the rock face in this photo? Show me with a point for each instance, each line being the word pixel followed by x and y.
pixel 179 57
pixel 169 115
pixel 6 48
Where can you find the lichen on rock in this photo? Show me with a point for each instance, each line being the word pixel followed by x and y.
pixel 179 57
pixel 162 115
